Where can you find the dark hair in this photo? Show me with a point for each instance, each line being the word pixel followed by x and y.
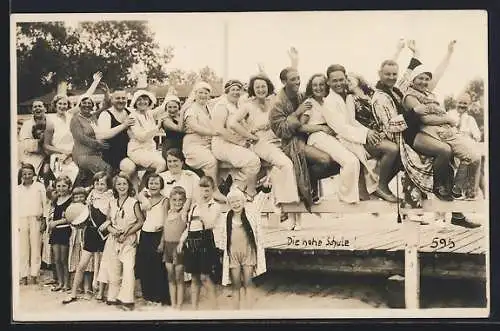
pixel 85 98
pixel 178 190
pixel 102 174
pixel 155 175
pixel 206 181
pixel 231 82
pixel 246 227
pixel 363 84
pixel 131 191
pixel 177 102
pixel 79 190
pixel 333 68
pixel 37 100
pixel 309 92
pixel 28 166
pixel 175 152
pixel 284 73
pixel 142 95
pixel 270 85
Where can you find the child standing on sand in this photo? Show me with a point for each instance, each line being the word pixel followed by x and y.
pixel 173 228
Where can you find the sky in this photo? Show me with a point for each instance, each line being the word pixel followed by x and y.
pixel 358 40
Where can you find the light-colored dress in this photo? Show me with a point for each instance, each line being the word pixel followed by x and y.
pixel 268 148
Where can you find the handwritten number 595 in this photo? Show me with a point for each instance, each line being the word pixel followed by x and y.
pixel 442 243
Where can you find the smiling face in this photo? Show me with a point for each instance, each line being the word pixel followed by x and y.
pixel 172 108
pixel 143 102
pixel 206 192
pixel 319 86
pixel 154 185
pixel 337 81
pixel 62 106
pixel 100 185
pixel 292 82
pixel 421 82
pixel 86 106
pixel 389 75
pixel 260 88
pixel 62 188
pixel 177 201
pixel 202 95
pixel 121 186
pixel 463 103
pixel 236 204
pixel 174 165
pixel 119 100
pixel 38 109
pixel 27 176
pixel 234 93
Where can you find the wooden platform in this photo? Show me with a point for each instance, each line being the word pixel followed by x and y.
pixel 346 245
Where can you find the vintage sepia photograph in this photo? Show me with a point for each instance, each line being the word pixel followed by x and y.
pixel 249 165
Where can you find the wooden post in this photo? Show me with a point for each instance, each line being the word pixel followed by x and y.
pixel 412 266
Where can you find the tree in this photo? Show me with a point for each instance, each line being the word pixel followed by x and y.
pixel 50 52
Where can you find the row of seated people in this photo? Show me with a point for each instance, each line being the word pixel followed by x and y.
pixel 339 126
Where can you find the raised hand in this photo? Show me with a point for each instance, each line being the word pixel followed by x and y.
pixel 293 53
pixel 97 76
pixel 104 87
pixel 260 66
pixel 401 44
pixel 451 46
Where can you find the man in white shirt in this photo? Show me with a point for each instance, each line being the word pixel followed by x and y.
pixel 465 123
pixel 31 137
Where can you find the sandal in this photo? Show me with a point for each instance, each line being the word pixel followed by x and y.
pixel 69 300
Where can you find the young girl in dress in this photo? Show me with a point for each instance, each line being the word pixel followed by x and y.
pixel 125 218
pixel 200 253
pixel 149 267
pixel 244 255
pixel 98 201
pixel 61 232
pixel 76 250
pixel 31 221
pixel 173 228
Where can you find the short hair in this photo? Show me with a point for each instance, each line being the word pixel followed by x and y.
pixel 206 181
pixel 363 84
pixel 232 82
pixel 131 190
pixel 175 152
pixel 37 100
pixel 65 179
pixel 79 190
pixel 175 101
pixel 100 175
pixel 56 99
pixel 309 92
pixel 85 98
pixel 270 85
pixel 178 190
pixel 155 175
pixel 284 73
pixel 141 96
pixel 333 68
pixel 388 63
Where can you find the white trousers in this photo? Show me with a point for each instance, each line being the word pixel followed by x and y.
pixel 282 172
pixel 245 162
pixel 117 269
pixel 30 246
pixel 349 163
pixel 198 153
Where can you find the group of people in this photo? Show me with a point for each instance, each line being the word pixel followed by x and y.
pixel 162 226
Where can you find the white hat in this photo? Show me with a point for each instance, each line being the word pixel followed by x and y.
pixel 201 85
pixel 76 213
pixel 83 97
pixel 421 69
pixel 140 93
pixel 171 97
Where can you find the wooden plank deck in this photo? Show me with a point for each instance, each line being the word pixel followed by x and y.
pixel 446 250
